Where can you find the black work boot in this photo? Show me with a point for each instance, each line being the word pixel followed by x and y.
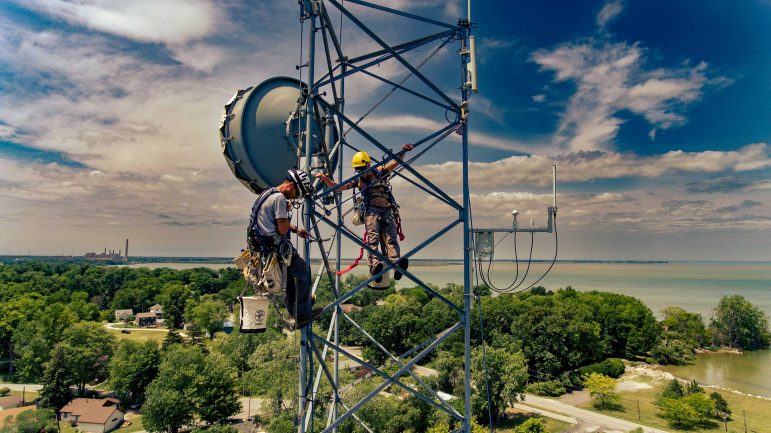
pixel 376 270
pixel 403 263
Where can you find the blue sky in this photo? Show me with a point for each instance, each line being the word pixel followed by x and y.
pixel 655 112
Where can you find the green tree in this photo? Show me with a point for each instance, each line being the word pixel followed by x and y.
pixel 214 395
pixel 506 379
pixel 173 298
pixel 693 387
pixel 721 405
pixel 87 348
pixel 208 314
pixel 83 309
pixel 678 413
pixel 398 326
pixel 167 404
pixel 673 390
pixel 273 375
pixel 165 409
pixel 441 427
pixel 237 347
pixel 532 425
pixel 703 406
pixel 31 350
pixel 172 337
pixel 684 325
pixel 451 373
pixel 204 383
pixel 12 313
pixel 737 323
pixel 56 382
pixel 56 319
pixel 603 390
pixel 133 367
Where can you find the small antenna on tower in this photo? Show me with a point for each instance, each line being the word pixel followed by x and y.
pixel 471 68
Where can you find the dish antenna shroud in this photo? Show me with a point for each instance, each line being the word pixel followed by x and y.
pixel 261 128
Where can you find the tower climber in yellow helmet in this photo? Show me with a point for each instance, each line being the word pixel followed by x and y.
pixel 381 217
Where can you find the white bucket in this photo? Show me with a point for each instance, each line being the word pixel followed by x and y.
pixel 254 314
pixel 384 283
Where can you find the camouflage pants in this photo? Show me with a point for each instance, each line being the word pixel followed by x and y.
pixel 381 230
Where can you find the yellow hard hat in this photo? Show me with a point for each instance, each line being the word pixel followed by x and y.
pixel 360 159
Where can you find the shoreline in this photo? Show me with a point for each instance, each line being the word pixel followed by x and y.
pixel 658 374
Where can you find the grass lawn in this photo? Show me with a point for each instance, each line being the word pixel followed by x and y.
pixel 139 335
pixel 517 417
pixel 136 425
pixel 28 395
pixel 758 411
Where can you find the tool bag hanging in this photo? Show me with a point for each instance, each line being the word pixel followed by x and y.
pixel 253 310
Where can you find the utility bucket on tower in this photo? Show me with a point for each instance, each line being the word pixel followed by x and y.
pixel 254 314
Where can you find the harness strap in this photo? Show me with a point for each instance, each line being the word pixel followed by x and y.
pixel 253 231
pixel 358 259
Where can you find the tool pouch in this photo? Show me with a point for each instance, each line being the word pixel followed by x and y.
pixel 358 212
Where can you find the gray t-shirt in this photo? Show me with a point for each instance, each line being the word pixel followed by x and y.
pixel 274 207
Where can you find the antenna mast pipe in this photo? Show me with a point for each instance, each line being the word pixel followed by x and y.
pixel 554 186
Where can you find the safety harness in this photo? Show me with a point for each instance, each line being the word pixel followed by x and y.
pixel 369 192
pixel 367 195
pixel 256 241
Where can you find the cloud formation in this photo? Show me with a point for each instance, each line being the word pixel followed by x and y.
pixel 610 78
pixel 610 10
pixel 586 166
pixel 168 21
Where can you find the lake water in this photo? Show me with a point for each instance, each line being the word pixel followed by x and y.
pixel 694 286
pixel 749 373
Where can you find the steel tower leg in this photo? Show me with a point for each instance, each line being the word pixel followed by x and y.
pixel 467 290
pixel 306 356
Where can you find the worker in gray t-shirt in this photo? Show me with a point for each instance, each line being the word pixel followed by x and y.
pixel 268 231
pixel 274 207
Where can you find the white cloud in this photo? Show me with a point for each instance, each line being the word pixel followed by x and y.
pixel 538 98
pixel 168 21
pixel 610 10
pixel 588 166
pixel 610 78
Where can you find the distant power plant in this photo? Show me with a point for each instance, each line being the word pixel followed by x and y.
pixel 109 255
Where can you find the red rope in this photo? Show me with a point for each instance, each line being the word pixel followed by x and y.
pixel 355 262
pixel 399 228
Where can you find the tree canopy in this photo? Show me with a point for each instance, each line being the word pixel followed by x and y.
pixel 739 324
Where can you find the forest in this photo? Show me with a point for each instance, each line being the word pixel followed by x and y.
pixel 52 317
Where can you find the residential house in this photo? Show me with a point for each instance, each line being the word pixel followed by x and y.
pixel 93 415
pixel 157 309
pixel 123 315
pixel 145 319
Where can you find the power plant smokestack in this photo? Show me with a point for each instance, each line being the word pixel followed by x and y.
pixel 126 250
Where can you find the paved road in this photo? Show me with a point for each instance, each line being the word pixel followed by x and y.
pixel 120 327
pixel 591 421
pixel 21 386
